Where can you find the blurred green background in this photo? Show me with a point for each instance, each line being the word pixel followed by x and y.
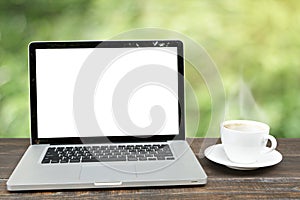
pixel 255 44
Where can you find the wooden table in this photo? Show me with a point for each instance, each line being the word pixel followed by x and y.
pixel 277 182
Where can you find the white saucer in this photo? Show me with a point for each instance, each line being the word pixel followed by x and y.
pixel 217 154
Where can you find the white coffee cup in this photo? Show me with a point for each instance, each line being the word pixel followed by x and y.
pixel 245 141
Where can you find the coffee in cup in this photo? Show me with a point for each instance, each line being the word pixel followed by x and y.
pixel 245 141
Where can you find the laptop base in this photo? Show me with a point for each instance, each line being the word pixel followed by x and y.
pixel 30 174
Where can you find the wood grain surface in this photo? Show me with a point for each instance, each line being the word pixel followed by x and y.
pixel 281 181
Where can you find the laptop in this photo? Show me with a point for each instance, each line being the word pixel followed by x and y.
pixel 106 114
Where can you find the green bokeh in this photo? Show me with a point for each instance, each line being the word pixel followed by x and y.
pixel 255 44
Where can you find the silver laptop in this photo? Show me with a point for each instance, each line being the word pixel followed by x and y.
pixel 106 114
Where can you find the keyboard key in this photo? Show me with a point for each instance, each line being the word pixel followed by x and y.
pixel 64 161
pixel 90 160
pixel 149 155
pixel 46 160
pixel 121 156
pixel 112 156
pixel 170 158
pixel 132 159
pixel 55 161
pixel 104 156
pixel 75 160
pixel 142 158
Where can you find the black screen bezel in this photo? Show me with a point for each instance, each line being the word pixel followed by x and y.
pixel 104 44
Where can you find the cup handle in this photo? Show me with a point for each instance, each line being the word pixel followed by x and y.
pixel 273 143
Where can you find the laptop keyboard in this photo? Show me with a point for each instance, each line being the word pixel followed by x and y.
pixel 107 153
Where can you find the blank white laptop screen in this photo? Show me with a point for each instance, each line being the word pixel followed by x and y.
pixel 56 74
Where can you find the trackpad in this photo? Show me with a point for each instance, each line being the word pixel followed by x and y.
pixel 108 173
